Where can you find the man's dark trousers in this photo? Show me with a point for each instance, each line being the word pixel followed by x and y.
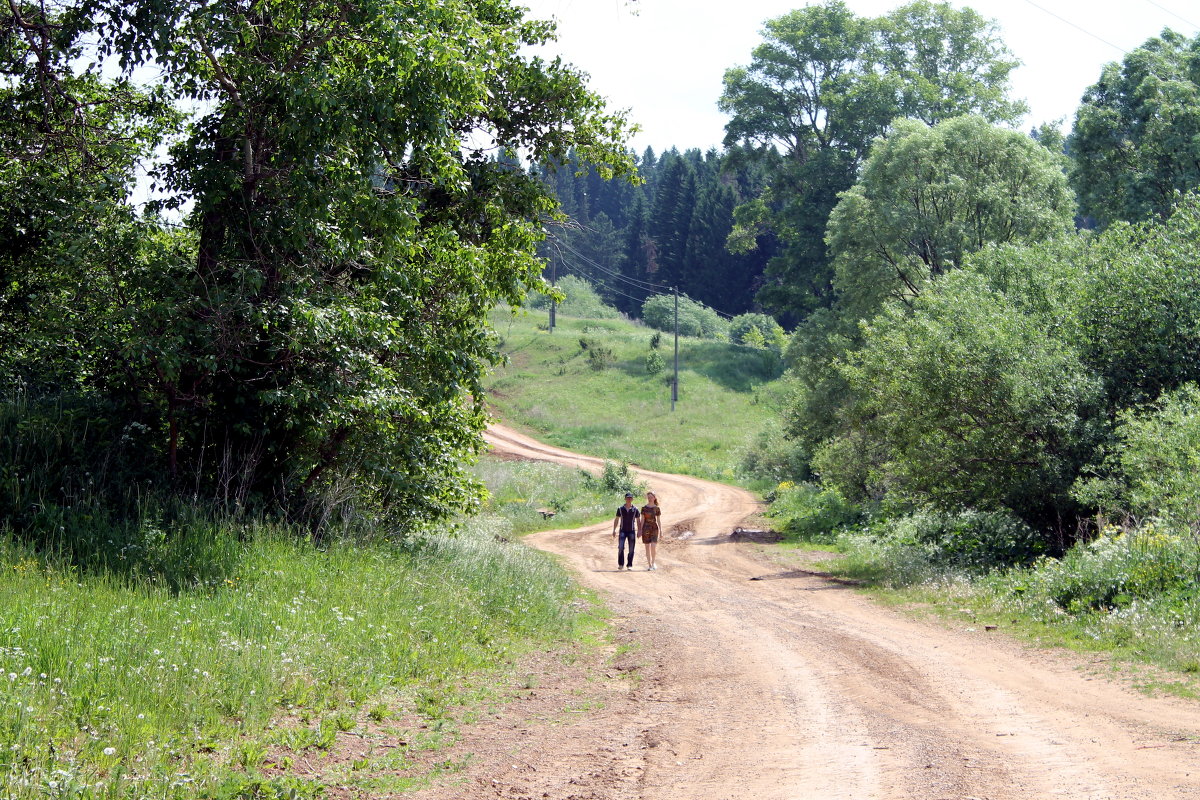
pixel 631 537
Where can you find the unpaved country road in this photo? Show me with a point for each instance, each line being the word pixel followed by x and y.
pixel 796 687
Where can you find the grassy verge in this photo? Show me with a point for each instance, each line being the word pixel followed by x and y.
pixel 587 387
pixel 1131 596
pixel 114 687
pixel 519 490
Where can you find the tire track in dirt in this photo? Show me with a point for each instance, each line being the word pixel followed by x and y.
pixel 800 688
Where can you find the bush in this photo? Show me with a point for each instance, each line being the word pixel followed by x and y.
pixel 600 358
pixel 580 300
pixel 929 543
pixel 810 513
pixel 757 330
pixel 1154 467
pixel 617 478
pixel 1116 569
pixel 774 458
pixel 654 363
pixel 969 401
pixel 695 319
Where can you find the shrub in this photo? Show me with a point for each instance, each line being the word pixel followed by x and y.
pixel 617 478
pixel 757 330
pixel 580 300
pixel 809 512
pixel 654 363
pixel 1117 568
pixel 695 319
pixel 600 358
pixel 928 543
pixel 1154 466
pixel 773 457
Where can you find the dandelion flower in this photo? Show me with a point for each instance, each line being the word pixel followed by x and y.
pixel 110 751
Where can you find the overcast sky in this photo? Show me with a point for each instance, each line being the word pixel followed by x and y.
pixel 664 59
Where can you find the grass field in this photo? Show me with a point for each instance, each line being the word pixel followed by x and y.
pixel 117 687
pixel 587 387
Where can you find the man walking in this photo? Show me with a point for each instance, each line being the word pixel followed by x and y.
pixel 626 519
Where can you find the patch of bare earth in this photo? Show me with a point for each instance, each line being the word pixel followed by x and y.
pixel 731 677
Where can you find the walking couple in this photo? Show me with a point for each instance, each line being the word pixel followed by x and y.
pixel 633 522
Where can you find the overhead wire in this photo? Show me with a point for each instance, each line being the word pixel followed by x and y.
pixel 1076 27
pixel 1172 13
pixel 624 278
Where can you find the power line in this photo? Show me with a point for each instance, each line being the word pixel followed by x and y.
pixel 625 278
pixel 1076 27
pixel 1172 13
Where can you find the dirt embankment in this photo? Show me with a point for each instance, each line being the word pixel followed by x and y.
pixel 797 687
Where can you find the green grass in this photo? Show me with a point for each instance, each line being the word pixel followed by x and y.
pixel 553 388
pixel 518 489
pixel 1132 597
pixel 115 687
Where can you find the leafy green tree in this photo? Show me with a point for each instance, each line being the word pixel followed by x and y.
pixel 945 62
pixel 968 401
pixel 929 196
pixel 323 322
pixel 820 88
pixel 1139 307
pixel 1136 138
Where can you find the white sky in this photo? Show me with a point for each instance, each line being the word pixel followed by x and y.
pixel 664 59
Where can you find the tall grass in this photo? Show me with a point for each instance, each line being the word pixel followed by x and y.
pixel 118 686
pixel 519 491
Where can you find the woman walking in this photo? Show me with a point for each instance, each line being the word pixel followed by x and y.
pixel 648 528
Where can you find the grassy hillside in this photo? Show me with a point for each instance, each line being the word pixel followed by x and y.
pixel 586 386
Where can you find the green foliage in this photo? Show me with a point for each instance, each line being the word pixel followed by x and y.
pixel 811 513
pixel 695 319
pixel 616 478
pixel 757 330
pixel 1117 569
pixel 822 85
pixel 773 458
pixel 599 357
pixel 929 196
pixel 970 402
pixel 317 329
pixel 579 300
pixel 1136 139
pixel 1154 470
pixel 1139 308
pixel 926 544
pixel 116 688
pixel 654 363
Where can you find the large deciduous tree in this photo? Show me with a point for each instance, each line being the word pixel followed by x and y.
pixel 929 196
pixel 820 88
pixel 321 328
pixel 1136 139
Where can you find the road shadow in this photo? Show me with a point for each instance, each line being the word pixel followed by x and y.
pixel 836 582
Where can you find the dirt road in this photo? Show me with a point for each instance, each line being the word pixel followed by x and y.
pixel 796 687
